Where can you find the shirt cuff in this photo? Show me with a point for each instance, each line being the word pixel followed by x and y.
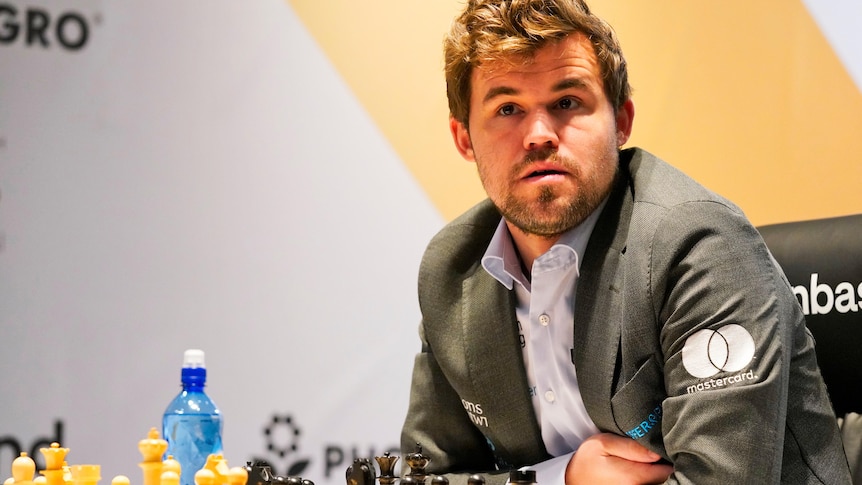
pixel 551 472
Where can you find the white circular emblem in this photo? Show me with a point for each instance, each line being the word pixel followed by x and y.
pixel 708 352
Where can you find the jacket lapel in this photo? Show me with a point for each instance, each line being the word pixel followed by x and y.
pixel 598 305
pixel 497 370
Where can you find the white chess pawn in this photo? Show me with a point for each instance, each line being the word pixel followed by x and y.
pixel 23 470
pixel 237 476
pixel 170 477
pixel 205 477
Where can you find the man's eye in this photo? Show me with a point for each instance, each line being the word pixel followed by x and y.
pixel 507 110
pixel 567 103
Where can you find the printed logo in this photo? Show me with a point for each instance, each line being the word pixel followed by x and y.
pixel 35 26
pixel 652 419
pixel 282 439
pixel 474 410
pixel 820 298
pixel 708 352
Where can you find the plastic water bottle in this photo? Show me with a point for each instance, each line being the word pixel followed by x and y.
pixel 192 423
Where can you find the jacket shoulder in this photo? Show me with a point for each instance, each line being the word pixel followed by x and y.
pixel 659 183
pixel 458 247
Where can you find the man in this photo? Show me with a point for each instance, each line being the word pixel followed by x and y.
pixel 602 317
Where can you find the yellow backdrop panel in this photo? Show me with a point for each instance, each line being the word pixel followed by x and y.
pixel 747 97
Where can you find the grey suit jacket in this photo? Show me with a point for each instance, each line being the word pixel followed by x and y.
pixel 687 338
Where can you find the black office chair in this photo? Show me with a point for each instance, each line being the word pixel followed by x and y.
pixel 822 258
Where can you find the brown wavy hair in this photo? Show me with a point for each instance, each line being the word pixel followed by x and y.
pixel 497 30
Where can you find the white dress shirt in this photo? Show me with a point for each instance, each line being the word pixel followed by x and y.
pixel 545 311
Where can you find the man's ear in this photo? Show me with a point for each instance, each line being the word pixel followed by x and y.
pixel 625 118
pixel 462 139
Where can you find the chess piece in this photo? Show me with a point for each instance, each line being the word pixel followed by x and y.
pixel 152 449
pixel 67 474
pixel 170 477
pixel 120 480
pixel 55 458
pixel 23 470
pixel 439 480
pixel 522 477
pixel 205 476
pixel 218 465
pixel 170 465
pixel 476 480
pixel 417 463
pixel 237 476
pixel 258 474
pixel 361 472
pixel 85 474
pixel 387 466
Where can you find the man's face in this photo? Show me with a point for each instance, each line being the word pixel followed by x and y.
pixel 544 136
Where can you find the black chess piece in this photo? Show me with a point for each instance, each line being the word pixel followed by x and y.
pixel 361 472
pixel 258 474
pixel 417 463
pixel 522 477
pixel 387 465
pixel 439 480
pixel 476 480
pixel 292 480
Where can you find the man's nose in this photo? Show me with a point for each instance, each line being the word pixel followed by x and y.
pixel 540 131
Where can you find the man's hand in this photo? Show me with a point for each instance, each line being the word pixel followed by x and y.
pixel 613 459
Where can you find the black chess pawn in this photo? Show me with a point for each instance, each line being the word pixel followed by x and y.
pixel 522 477
pixel 439 480
pixel 292 480
pixel 476 480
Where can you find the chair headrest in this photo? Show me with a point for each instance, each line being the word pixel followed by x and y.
pixel 823 261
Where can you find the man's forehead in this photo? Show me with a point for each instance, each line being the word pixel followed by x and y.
pixel 562 65
pixel 574 51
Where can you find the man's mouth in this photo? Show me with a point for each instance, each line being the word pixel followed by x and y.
pixel 538 174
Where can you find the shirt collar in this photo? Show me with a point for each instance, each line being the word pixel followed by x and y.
pixel 501 259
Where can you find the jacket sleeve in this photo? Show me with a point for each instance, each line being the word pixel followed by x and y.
pixel 734 346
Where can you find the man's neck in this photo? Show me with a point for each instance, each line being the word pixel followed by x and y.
pixel 530 246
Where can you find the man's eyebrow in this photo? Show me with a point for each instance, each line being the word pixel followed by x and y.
pixel 569 83
pixel 498 91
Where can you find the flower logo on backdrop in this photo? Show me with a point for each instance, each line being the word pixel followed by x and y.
pixel 282 441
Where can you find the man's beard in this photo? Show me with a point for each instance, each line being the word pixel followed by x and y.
pixel 551 213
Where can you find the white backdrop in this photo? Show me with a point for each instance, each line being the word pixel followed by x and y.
pixel 197 175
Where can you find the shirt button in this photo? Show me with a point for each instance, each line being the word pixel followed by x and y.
pixel 544 319
pixel 550 397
